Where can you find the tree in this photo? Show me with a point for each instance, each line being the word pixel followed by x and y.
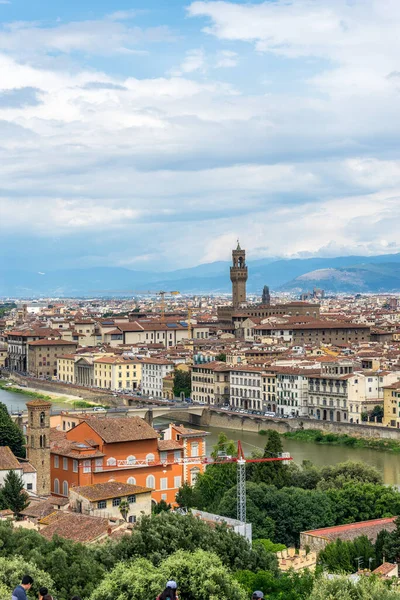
pixel 288 586
pixel 124 509
pixel 221 357
pixel 341 588
pixel 343 557
pixel 186 496
pixel 336 476
pixel 182 383
pixel 361 502
pixel 305 476
pixel 377 412
pixel 12 494
pixel 271 473
pixel 199 574
pixel 290 510
pixel 10 433
pixel 155 537
pixel 390 544
pixel 13 569
pixel 160 507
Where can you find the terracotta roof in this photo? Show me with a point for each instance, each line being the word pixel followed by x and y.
pixel 186 432
pixel 73 526
pixel 7 459
pixel 52 343
pixel 27 467
pixel 353 530
pixel 169 445
pixel 111 489
pixel 43 508
pixel 385 569
pixel 72 449
pixel 37 402
pixel 124 429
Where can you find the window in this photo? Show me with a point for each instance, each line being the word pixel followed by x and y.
pixel 42 419
pixel 56 486
pixel 164 483
pixel 29 486
pixel 98 464
pixel 131 460
pixel 131 480
pixel 65 488
pixel 65 463
pixel 194 473
pixel 195 449
pixel 111 462
pixel 132 499
pixel 150 481
pixel 177 481
pixel 87 466
pixel 164 497
pixel 102 504
pixel 56 462
pixel 75 466
pixel 116 501
pixel 163 456
pixel 132 519
pixel 150 458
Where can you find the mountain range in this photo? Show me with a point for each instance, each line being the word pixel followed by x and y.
pixel 349 274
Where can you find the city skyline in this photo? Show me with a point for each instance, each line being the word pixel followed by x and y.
pixel 150 136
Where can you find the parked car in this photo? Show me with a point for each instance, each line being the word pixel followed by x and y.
pixel 99 409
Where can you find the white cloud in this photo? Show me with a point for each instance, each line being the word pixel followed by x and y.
pixel 195 60
pixel 193 162
pixel 226 59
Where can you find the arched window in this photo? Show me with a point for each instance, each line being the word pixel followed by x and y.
pixel 150 481
pixel 42 419
pixel 131 480
pixel 111 462
pixel 65 488
pixel 194 473
pixel 150 457
pixel 56 486
pixel 131 460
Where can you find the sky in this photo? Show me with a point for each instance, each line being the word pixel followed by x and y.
pixel 152 134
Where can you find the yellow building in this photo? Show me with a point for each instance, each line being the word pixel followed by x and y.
pixel 3 356
pixel 107 499
pixel 269 391
pixel 117 373
pixel 168 387
pixel 391 405
pixel 66 368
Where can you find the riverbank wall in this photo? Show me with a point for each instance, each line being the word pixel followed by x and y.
pixel 246 423
pixel 61 389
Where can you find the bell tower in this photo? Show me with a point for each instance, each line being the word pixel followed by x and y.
pixel 238 276
pixel 38 443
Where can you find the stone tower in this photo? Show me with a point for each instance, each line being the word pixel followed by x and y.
pixel 238 276
pixel 266 296
pixel 38 443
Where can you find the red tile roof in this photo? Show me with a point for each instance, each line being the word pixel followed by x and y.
pixel 124 429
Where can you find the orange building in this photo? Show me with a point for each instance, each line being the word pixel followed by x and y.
pixel 128 450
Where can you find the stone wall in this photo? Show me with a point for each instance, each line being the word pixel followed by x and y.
pixel 211 418
pixel 54 387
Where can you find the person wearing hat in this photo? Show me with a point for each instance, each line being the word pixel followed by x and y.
pixel 257 595
pixel 170 591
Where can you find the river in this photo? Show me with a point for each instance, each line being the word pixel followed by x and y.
pixel 17 402
pixel 388 464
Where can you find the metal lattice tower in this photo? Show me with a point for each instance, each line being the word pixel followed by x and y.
pixel 241 490
pixel 241 484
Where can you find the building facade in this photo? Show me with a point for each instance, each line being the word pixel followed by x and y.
pixel 246 388
pixel 154 371
pixel 43 355
pixel 211 383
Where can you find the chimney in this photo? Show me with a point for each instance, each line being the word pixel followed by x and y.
pixel 109 530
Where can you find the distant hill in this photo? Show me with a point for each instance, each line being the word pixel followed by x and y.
pixel 346 273
pixel 381 277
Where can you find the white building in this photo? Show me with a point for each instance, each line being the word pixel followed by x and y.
pixel 246 386
pixel 153 372
pixel 365 391
pixel 8 462
pixel 292 391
